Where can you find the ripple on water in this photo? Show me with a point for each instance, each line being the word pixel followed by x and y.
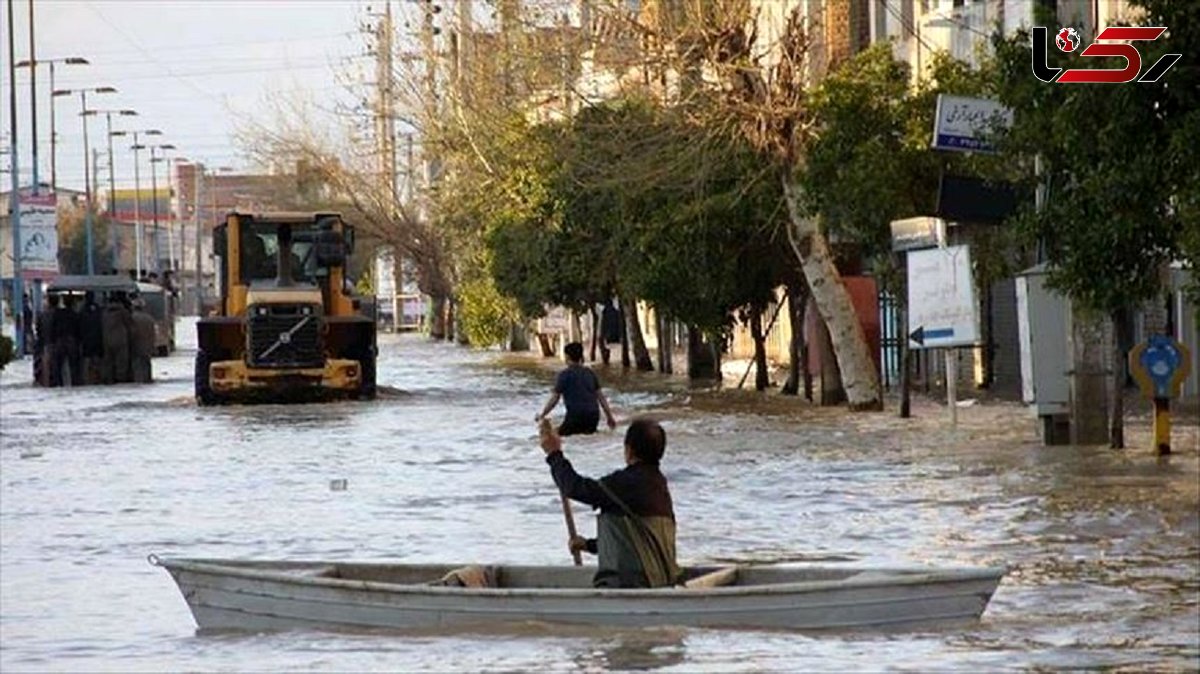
pixel 1103 547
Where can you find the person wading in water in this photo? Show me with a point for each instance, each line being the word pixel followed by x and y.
pixel 635 531
pixel 579 387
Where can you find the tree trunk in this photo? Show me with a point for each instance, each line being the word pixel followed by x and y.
pixel 576 327
pixel 905 362
pixel 641 354
pixel 1088 379
pixel 795 300
pixel 624 336
pixel 518 337
pixel 701 363
pixel 859 377
pixel 437 317
pixel 601 339
pixel 1116 428
pixel 832 392
pixel 450 324
pixel 595 333
pixel 669 344
pixel 761 379
pixel 662 328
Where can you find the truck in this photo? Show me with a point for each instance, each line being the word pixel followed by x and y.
pixel 287 326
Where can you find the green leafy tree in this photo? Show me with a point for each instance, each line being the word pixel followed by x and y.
pixel 1118 163
pixel 72 237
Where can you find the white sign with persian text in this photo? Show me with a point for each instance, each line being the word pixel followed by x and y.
pixel 966 124
pixel 942 311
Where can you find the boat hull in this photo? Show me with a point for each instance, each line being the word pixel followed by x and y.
pixel 226 595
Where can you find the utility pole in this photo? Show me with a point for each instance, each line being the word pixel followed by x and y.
pixel 409 184
pixel 87 181
pixel 33 100
pixel 113 238
pixel 137 209
pixel 385 122
pixel 95 181
pixel 197 168
pixel 431 95
pixel 14 199
pixel 154 209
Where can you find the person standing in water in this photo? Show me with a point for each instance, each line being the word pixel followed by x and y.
pixel 579 388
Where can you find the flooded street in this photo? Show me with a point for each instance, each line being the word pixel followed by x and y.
pixel 1103 546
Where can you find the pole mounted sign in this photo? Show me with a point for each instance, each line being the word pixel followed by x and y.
pixel 1067 40
pixel 965 124
pixel 39 235
pixel 1159 365
pixel 941 298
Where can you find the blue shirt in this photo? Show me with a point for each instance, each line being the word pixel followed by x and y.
pixel 578 386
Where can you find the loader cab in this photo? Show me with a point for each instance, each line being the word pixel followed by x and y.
pixel 283 251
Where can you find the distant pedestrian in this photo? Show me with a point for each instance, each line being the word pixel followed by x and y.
pixel 141 346
pixel 27 325
pixel 43 343
pixel 610 329
pixel 579 388
pixel 117 323
pixel 66 343
pixel 91 330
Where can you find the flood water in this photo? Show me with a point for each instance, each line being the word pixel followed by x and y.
pixel 1103 546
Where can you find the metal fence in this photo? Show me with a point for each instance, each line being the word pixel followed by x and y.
pixel 890 336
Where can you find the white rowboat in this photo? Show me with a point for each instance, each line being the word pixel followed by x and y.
pixel 268 595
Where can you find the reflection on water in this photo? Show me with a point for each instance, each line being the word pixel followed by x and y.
pixel 1103 547
pixel 634 651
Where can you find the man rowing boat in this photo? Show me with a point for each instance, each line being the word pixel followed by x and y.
pixel 635 531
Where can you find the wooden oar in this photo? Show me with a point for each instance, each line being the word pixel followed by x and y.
pixel 546 429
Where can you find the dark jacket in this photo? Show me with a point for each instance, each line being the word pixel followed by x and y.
pixel 91 329
pixel 636 547
pixel 65 326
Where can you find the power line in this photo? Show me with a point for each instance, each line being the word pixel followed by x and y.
pixel 906 25
pixel 149 55
pixel 240 43
pixel 225 71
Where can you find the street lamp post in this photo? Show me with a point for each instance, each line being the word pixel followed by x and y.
pixel 199 173
pixel 114 240
pixel 87 180
pixel 154 190
pixel 15 195
pixel 70 60
pixel 137 192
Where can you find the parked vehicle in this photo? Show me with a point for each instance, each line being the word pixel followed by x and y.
pixel 158 304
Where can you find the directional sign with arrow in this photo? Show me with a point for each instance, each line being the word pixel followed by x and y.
pixel 921 334
pixel 941 298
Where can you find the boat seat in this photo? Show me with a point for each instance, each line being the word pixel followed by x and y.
pixel 723 576
pixel 472 575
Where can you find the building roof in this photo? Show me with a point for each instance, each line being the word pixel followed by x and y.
pixel 97 283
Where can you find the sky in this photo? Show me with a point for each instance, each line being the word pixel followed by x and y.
pixel 194 69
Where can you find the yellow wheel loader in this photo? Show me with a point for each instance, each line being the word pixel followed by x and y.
pixel 287 326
